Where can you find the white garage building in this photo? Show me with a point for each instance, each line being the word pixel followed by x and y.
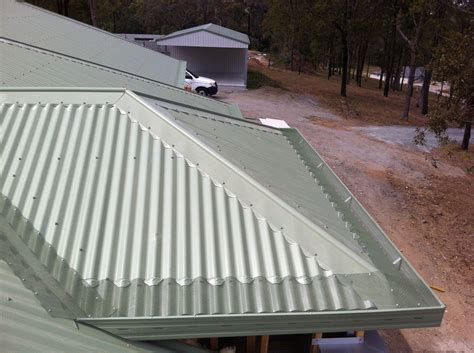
pixel 210 50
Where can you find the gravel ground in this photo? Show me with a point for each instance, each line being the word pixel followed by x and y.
pixel 423 201
pixel 403 135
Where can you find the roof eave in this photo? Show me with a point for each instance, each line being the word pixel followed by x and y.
pixel 157 328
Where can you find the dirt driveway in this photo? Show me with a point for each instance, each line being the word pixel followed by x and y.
pixel 422 200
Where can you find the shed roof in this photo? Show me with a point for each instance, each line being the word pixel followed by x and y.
pixel 26 66
pixel 35 26
pixel 153 231
pixel 211 28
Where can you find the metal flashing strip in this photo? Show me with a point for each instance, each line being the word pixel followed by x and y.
pixel 154 328
pixel 388 258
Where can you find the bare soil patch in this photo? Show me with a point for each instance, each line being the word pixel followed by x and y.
pixel 423 200
pixel 365 103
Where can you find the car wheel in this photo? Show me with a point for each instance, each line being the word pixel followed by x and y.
pixel 202 91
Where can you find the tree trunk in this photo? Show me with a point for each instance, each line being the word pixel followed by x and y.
pixel 345 57
pixel 388 77
pixel 403 78
pixel 361 63
pixel 93 11
pixel 425 92
pixel 467 136
pixel 441 90
pixel 396 77
pixel 411 80
pixel 381 77
pixel 59 5
pixel 329 68
pixel 348 67
pixel 66 8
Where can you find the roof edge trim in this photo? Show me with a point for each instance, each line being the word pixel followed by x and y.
pixel 153 328
pixel 406 267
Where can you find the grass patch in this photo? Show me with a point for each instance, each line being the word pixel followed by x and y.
pixel 365 103
pixel 257 79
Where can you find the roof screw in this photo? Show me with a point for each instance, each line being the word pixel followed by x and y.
pixel 9 299
pixel 49 310
pixel 14 175
pixel 56 223
pixel 36 293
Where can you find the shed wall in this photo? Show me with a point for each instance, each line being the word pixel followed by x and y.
pixel 227 66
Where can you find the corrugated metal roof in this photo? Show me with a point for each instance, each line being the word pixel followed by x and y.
pixel 26 66
pixel 211 28
pixel 146 216
pixel 26 23
pixel 27 327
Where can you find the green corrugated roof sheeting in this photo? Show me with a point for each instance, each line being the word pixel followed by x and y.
pixel 155 213
pixel 35 26
pixel 27 327
pixel 144 214
pixel 25 66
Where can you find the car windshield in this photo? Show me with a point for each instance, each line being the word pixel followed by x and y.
pixel 192 73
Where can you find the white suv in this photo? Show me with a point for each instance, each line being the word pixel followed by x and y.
pixel 202 85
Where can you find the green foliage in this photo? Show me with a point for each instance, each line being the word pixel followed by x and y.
pixel 454 62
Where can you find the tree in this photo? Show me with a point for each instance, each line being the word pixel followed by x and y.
pixel 93 10
pixel 288 23
pixel 454 63
pixel 415 15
